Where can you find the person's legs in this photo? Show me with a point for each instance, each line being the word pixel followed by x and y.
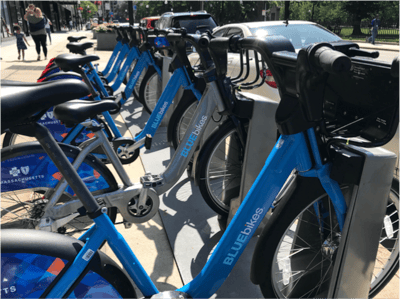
pixel 374 34
pixel 19 54
pixel 23 54
pixel 36 39
pixel 43 39
pixel 48 33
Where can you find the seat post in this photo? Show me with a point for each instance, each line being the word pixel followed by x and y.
pixel 87 81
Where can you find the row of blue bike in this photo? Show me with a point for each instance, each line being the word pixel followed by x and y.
pixel 328 118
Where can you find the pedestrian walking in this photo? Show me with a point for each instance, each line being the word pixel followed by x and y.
pixel 20 42
pixel 47 24
pixel 375 23
pixel 37 28
pixel 70 25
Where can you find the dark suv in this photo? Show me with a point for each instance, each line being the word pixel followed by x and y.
pixel 193 21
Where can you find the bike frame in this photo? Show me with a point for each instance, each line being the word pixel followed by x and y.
pixel 114 55
pixel 290 152
pixel 121 55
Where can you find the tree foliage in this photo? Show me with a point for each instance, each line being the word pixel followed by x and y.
pixel 85 12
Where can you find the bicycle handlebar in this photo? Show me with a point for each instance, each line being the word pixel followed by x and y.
pixel 329 60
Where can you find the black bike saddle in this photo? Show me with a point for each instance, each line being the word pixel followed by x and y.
pixel 79 48
pixel 75 38
pixel 77 111
pixel 72 62
pixel 19 103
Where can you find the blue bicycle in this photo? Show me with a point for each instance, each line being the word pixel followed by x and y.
pixel 65 267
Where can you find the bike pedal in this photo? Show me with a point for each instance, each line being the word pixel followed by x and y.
pixel 151 180
pixel 148 141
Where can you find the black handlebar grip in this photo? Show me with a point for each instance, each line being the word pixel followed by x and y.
pixel 394 71
pixel 331 61
pixel 375 54
pixel 174 37
pixel 219 44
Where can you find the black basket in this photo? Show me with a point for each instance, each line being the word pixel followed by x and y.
pixel 364 102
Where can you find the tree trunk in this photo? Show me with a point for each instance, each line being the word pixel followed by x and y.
pixel 287 11
pixel 356 26
pixel 312 13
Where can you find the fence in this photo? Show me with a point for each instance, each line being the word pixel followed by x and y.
pixel 389 31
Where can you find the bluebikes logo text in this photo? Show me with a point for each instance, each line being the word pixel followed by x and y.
pixel 159 116
pixel 193 136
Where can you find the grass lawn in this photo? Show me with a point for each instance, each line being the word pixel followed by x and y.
pixel 346 32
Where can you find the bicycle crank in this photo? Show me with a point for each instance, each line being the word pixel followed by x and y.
pixel 125 150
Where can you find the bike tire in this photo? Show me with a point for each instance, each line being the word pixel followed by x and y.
pixel 219 167
pixel 283 227
pixel 23 201
pixel 48 256
pixel 150 89
pixel 180 118
pixel 135 91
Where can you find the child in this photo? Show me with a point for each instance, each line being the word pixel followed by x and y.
pixel 20 42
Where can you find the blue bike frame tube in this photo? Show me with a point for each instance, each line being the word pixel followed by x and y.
pixel 98 81
pixel 177 80
pixel 110 121
pixel 105 230
pixel 72 134
pixel 143 62
pixel 331 187
pixel 132 55
pixel 110 62
pixel 118 62
pixel 285 156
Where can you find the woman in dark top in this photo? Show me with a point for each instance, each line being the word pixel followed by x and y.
pixel 37 28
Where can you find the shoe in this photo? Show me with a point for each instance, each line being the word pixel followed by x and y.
pixel 45 58
pixel 23 59
pixel 38 58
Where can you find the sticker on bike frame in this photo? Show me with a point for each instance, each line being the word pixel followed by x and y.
pixel 26 275
pixel 88 254
pixel 161 42
pixel 37 170
pixel 58 130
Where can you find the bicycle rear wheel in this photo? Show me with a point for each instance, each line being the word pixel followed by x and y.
pixel 299 257
pixel 29 178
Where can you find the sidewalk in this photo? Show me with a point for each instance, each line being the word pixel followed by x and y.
pixel 147 240
pixel 378 46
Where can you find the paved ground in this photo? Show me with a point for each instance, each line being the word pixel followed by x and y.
pixel 149 241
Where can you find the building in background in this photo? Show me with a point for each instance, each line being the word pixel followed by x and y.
pixel 59 12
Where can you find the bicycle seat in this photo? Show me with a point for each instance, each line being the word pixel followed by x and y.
pixel 18 103
pixel 79 48
pixel 75 38
pixel 69 62
pixel 77 111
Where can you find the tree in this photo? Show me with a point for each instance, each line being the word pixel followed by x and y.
pixel 360 10
pixel 86 15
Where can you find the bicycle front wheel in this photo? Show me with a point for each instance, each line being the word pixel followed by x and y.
pixel 29 178
pixel 299 258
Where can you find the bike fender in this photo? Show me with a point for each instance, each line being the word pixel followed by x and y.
pixel 39 247
pixel 299 187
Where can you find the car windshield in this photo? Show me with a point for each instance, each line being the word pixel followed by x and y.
pixel 299 34
pixel 196 23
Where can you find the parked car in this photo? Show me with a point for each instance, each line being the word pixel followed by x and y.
pixel 300 33
pixel 149 22
pixel 193 22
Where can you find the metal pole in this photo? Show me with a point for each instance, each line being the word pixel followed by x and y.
pixel 130 12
